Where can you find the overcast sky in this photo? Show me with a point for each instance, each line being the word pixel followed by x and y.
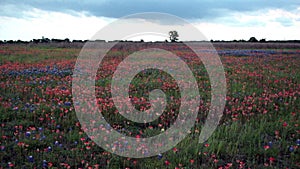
pixel 216 19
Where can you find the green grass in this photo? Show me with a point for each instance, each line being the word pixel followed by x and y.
pixel 263 96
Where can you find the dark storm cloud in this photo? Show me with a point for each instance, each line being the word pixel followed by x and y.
pixel 193 9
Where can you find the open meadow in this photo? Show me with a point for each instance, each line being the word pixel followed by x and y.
pixel 259 128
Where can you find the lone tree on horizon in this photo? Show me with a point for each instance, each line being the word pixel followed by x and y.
pixel 253 39
pixel 173 35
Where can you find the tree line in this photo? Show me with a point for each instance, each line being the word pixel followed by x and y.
pixel 173 37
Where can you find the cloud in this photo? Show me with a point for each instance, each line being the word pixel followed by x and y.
pixel 273 24
pixel 285 18
pixel 74 19
pixel 37 23
pixel 193 9
pixel 260 18
pixel 11 10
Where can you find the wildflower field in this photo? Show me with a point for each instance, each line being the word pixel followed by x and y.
pixel 259 128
